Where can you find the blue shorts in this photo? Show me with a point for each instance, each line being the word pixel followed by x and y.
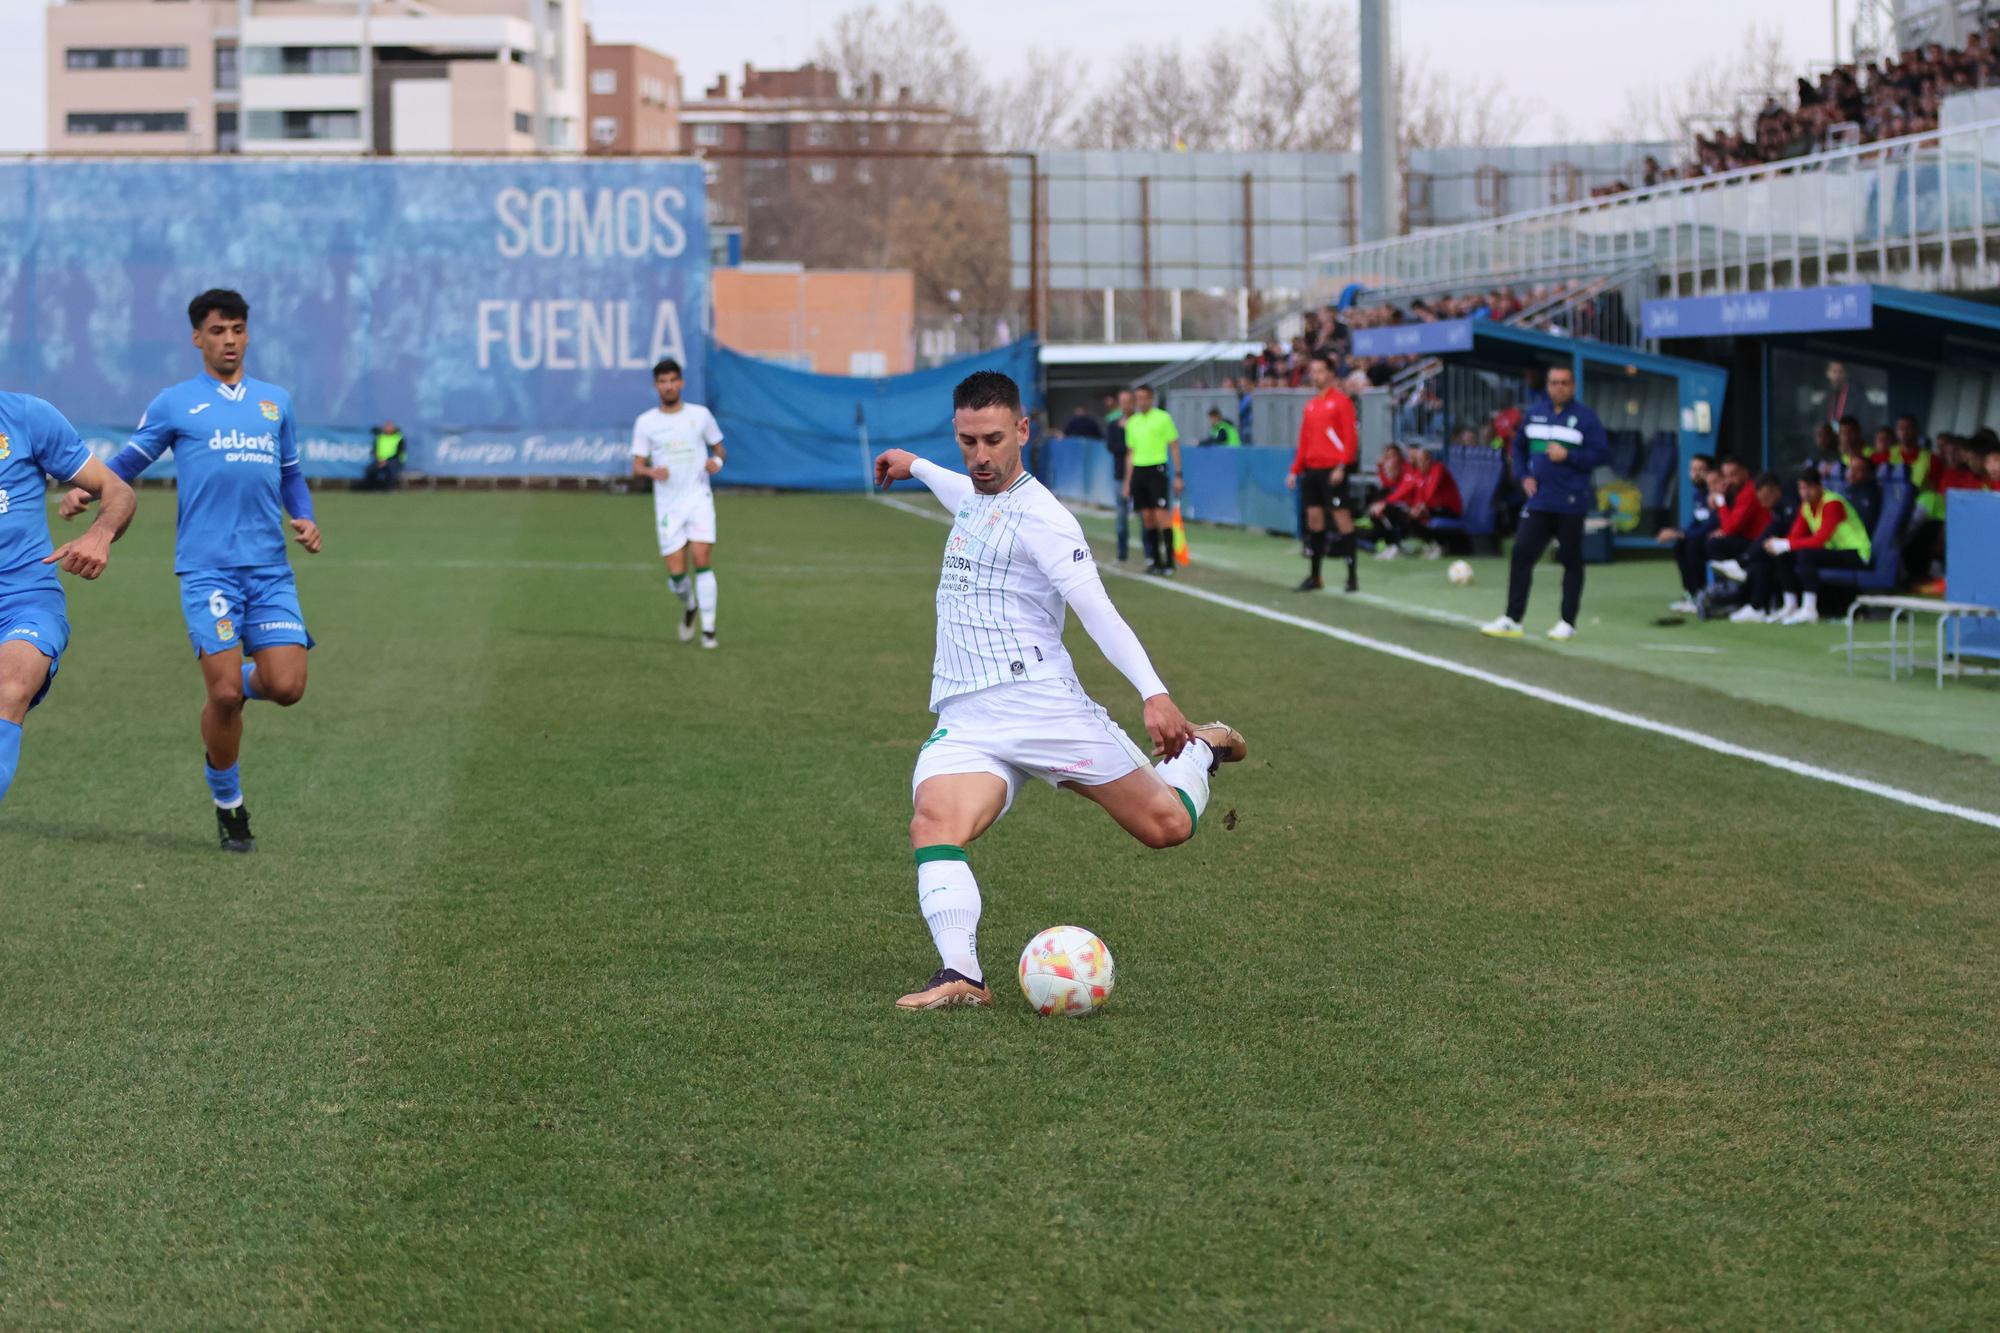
pixel 252 608
pixel 41 617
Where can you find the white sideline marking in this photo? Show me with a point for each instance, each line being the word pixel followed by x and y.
pixel 1677 648
pixel 1697 739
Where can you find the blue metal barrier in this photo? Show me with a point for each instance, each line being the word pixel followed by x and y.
pixel 1242 487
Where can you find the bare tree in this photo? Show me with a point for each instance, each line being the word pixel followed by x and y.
pixel 1437 111
pixel 1305 94
pixel 1715 93
pixel 910 45
pixel 1034 109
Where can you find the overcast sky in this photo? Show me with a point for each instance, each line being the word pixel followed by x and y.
pixel 1575 55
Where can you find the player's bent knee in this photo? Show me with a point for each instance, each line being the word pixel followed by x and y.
pixel 1174 829
pixel 285 693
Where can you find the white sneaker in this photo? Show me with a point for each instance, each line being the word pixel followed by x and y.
pixel 687 626
pixel 1730 569
pixel 1502 627
pixel 1748 615
pixel 1432 551
pixel 1802 616
pixel 1562 631
pixel 708 641
pixel 1388 551
pixel 1685 606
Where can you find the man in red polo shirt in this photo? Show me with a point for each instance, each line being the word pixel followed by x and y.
pixel 1329 447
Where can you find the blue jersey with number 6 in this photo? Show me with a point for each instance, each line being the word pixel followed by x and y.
pixel 235 453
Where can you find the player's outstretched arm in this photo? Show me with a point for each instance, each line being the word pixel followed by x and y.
pixel 894 465
pixel 1114 638
pixel 87 556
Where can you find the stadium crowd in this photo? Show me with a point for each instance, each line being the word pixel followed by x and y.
pixel 1849 104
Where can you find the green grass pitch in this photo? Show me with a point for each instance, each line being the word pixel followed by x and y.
pixel 558 991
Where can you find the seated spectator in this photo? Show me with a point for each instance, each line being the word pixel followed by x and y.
pixel 1862 492
pixel 1083 426
pixel 1826 535
pixel 1687 541
pixel 1851 448
pixel 1389 471
pixel 1754 513
pixel 1220 430
pixel 1426 491
pixel 385 463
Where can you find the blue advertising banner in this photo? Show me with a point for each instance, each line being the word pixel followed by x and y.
pixel 795 429
pixel 506 313
pixel 1445 335
pixel 1813 310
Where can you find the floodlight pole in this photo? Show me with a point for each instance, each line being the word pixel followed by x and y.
pixel 1380 218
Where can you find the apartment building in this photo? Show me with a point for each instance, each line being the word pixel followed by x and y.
pixel 634 103
pixel 315 76
pixel 788 151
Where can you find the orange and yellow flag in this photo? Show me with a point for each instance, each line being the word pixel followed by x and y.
pixel 1180 538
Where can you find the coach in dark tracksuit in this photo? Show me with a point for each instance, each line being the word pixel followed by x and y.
pixel 1560 443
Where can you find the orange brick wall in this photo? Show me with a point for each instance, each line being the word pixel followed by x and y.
pixel 818 317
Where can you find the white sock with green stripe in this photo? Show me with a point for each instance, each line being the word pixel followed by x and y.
pixel 948 896
pixel 1187 774
pixel 683 588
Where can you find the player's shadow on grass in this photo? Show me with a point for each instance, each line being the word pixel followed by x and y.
pixel 153 840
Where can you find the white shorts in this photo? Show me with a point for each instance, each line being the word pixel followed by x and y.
pixel 1047 729
pixel 684 521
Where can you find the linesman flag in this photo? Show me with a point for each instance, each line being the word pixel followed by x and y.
pixel 1180 538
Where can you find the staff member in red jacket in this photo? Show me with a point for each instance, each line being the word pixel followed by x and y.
pixel 1329 446
pixel 1426 490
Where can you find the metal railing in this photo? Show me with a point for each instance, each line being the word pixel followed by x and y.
pixel 1920 211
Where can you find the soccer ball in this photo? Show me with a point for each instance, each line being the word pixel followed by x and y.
pixel 1066 972
pixel 1460 572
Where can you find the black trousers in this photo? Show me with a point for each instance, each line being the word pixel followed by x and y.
pixel 1531 541
pixel 1807 566
pixel 1691 554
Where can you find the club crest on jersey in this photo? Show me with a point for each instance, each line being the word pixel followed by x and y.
pixel 225 630
pixel 6 445
pixel 268 408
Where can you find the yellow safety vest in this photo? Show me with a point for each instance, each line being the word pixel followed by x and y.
pixel 1851 535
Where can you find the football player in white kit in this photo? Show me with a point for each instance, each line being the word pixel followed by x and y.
pixel 679 446
pixel 1008 703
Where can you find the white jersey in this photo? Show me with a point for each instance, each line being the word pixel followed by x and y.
pixel 1009 563
pixel 678 442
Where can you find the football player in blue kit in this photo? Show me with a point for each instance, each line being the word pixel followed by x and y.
pixel 37 441
pixel 237 468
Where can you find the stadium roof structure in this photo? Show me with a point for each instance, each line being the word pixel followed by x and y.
pixel 1491 344
pixel 1860 318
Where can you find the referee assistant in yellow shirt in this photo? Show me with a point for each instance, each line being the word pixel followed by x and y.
pixel 1150 437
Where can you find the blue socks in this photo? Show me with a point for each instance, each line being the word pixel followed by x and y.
pixel 225 783
pixel 10 754
pixel 249 693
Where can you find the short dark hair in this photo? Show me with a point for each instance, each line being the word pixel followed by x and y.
pixel 1851 420
pixel 666 365
pixel 1770 479
pixel 1707 458
pixel 1144 388
pixel 1811 477
pixel 1215 411
pixel 1329 356
pixel 986 388
pixel 230 304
